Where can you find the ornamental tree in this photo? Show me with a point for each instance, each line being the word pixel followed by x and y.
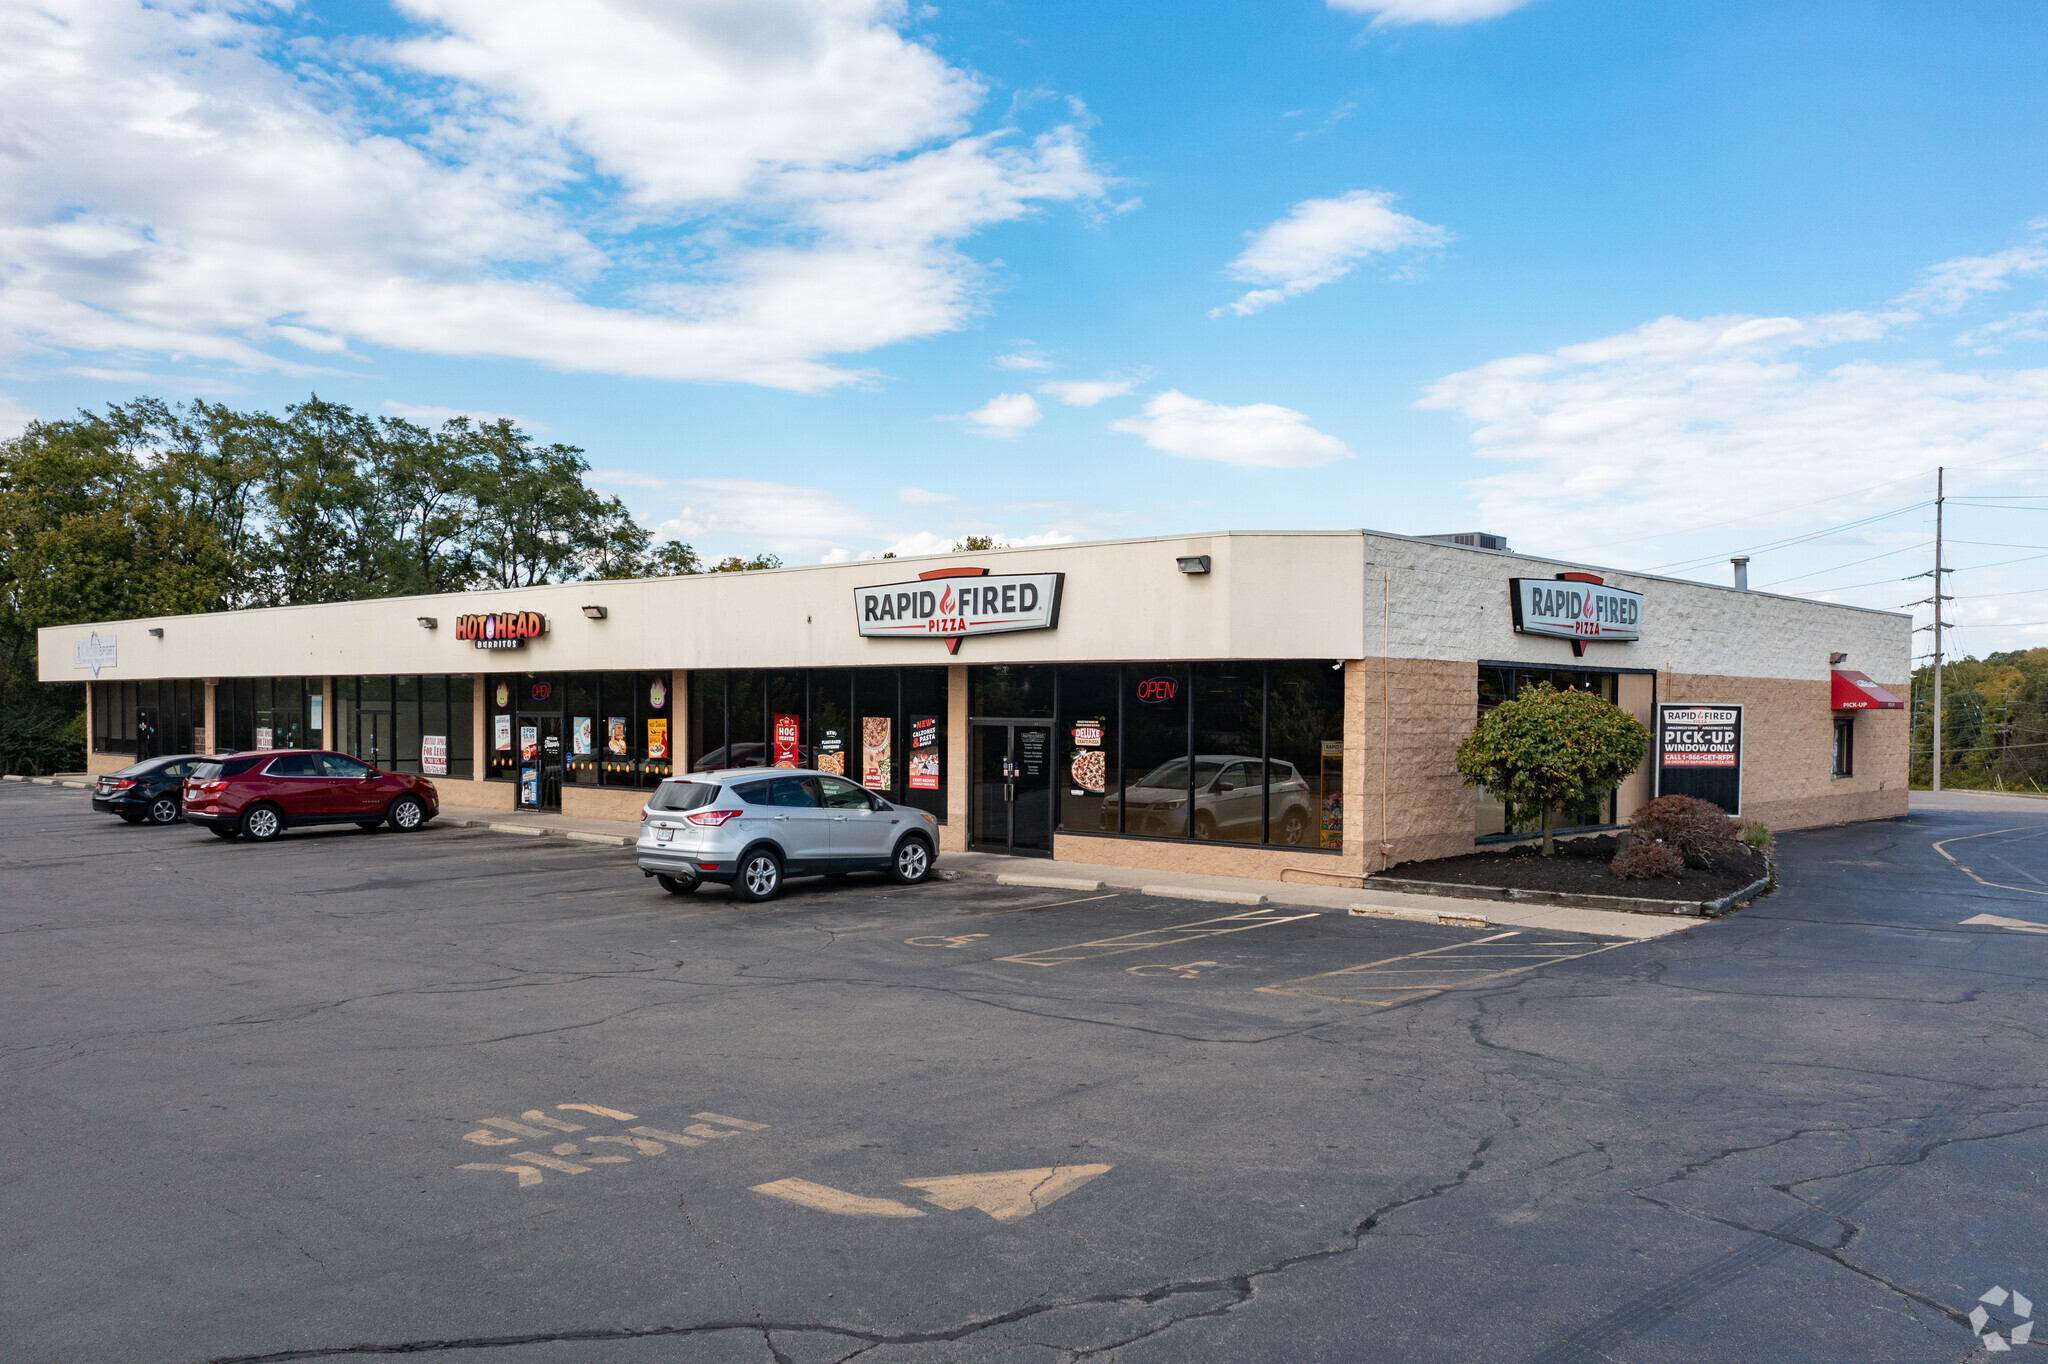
pixel 1550 748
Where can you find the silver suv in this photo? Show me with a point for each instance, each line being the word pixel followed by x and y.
pixel 749 827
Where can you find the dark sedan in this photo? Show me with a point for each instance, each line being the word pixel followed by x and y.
pixel 147 793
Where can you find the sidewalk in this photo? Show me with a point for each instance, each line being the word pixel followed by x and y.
pixel 1224 890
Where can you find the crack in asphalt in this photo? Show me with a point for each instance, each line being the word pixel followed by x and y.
pixel 1242 1288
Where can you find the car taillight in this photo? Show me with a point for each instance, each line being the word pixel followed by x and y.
pixel 643 814
pixel 120 785
pixel 197 786
pixel 713 818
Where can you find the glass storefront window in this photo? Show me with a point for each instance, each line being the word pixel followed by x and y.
pixel 925 728
pixel 584 732
pixel 830 735
pixel 877 761
pixel 746 724
pixel 1016 691
pixel 1089 771
pixel 1230 772
pixel 1157 794
pixel 1305 746
pixel 707 719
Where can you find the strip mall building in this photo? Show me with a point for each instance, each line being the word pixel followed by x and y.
pixel 1281 705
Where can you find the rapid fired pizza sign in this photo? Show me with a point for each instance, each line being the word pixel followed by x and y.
pixel 1579 608
pixel 954 603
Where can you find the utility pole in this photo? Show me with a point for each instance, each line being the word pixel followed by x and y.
pixel 1939 475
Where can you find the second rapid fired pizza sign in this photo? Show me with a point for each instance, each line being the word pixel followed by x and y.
pixel 951 607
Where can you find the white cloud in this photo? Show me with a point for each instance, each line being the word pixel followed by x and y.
pixel 1026 356
pixel 784 517
pixel 1320 240
pixel 1389 13
pixel 1004 417
pixel 14 418
pixel 145 379
pixel 1256 436
pixel 921 497
pixel 1684 422
pixel 1952 283
pixel 693 191
pixel 1087 392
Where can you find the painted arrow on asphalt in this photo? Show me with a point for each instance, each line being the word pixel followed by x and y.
pixel 1005 1195
pixel 1998 921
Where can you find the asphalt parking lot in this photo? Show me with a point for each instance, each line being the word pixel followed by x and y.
pixel 502 1099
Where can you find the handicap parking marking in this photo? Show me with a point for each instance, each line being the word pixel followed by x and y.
pixel 535 1126
pixel 1185 971
pixel 1156 938
pixel 956 940
pixel 1396 980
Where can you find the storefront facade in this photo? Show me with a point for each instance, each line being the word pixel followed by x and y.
pixel 1281 705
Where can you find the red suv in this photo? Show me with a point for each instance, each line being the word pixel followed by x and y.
pixel 260 795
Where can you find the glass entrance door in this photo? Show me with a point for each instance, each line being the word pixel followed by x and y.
pixel 1010 792
pixel 551 762
pixel 373 738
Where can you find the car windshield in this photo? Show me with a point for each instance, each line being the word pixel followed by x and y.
pixel 684 795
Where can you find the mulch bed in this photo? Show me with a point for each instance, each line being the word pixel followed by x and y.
pixel 1580 868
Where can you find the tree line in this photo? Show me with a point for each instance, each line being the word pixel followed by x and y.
pixel 154 508
pixel 1994 722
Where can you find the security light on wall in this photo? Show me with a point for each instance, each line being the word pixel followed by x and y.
pixel 1836 658
pixel 595 612
pixel 429 623
pixel 157 631
pixel 1193 563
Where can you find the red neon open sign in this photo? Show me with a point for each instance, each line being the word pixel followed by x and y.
pixel 1157 691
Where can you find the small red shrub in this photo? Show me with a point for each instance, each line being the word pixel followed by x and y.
pixel 1696 828
pixel 1643 860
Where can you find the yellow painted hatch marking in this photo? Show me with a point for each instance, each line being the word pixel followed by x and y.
pixel 1942 848
pixel 1156 938
pixel 1394 980
pixel 825 1198
pixel 1185 971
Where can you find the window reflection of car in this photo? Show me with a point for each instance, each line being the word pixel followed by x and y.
pixel 746 755
pixel 1227 800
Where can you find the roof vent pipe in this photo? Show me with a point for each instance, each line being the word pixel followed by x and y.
pixel 1741 562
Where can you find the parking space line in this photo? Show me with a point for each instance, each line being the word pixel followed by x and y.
pixel 1156 938
pixel 1389 981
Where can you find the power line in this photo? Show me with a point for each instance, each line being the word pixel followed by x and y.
pixel 1822 534
pixel 1851 564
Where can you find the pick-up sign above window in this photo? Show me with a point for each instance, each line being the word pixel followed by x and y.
pixel 951 607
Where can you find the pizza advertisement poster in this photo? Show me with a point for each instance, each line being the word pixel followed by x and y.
pixel 832 753
pixel 657 739
pixel 924 753
pixel 786 741
pixel 874 752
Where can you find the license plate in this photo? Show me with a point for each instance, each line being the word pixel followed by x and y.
pixel 664 835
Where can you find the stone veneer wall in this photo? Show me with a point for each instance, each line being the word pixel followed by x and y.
pixel 1788 750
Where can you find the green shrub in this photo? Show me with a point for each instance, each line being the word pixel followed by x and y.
pixel 1756 834
pixel 1549 748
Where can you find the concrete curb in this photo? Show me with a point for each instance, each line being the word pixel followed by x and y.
pixel 1421 916
pixel 1045 882
pixel 608 840
pixel 1626 904
pixel 530 830
pixel 1221 897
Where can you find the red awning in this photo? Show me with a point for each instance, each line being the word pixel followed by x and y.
pixel 1854 691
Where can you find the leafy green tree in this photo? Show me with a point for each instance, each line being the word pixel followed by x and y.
pixel 536 521
pixel 673 559
pixel 735 564
pixel 1552 748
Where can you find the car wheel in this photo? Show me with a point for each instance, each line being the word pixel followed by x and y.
pixel 1205 824
pixel 262 823
pixel 164 810
pixel 912 863
pixel 676 885
pixel 219 832
pixel 760 876
pixel 407 814
pixel 1294 827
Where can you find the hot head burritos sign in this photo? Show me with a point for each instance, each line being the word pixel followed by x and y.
pixel 952 604
pixel 1580 608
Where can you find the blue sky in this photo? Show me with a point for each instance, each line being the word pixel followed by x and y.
pixel 1638 285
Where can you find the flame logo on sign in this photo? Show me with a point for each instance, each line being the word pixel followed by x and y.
pixel 946 603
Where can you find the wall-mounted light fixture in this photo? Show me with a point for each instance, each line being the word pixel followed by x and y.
pixel 156 631
pixel 1835 658
pixel 429 623
pixel 595 612
pixel 1193 563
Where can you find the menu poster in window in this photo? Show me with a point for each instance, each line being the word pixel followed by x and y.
pixel 529 787
pixel 434 754
pixel 579 737
pixel 874 752
pixel 529 743
pixel 501 738
pixel 924 752
pixel 657 739
pixel 1031 746
pixel 1088 765
pixel 615 737
pixel 263 740
pixel 832 753
pixel 1699 753
pixel 786 741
